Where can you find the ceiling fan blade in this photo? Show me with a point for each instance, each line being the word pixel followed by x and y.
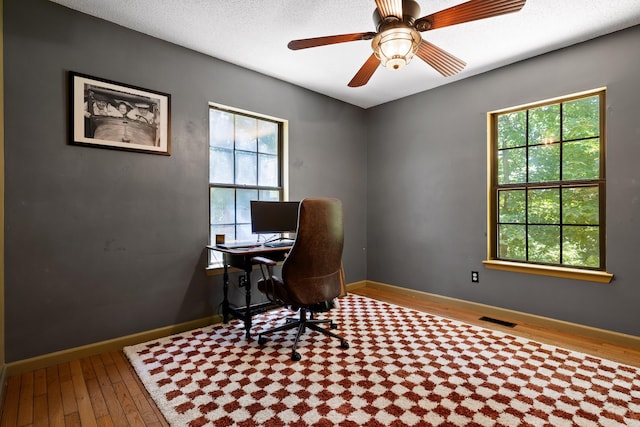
pixel 390 8
pixel 469 11
pixel 445 63
pixel 323 41
pixel 365 72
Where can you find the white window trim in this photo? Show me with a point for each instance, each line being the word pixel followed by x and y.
pixel 216 268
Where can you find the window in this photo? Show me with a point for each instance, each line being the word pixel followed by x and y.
pixel 246 162
pixel 547 187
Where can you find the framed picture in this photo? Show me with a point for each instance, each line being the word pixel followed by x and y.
pixel 107 114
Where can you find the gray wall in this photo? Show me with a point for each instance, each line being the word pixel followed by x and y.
pixel 427 186
pixel 104 243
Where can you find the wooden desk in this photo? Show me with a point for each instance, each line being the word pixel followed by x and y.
pixel 241 258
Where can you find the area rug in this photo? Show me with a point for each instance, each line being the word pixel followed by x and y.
pixel 403 368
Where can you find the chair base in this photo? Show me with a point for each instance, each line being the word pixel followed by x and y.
pixel 301 324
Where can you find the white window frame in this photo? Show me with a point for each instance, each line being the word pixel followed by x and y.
pixel 215 259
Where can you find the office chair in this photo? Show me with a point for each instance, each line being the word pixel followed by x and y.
pixel 311 273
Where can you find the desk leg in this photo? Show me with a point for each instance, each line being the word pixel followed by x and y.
pixel 247 290
pixel 225 290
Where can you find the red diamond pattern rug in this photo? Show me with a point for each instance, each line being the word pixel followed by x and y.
pixel 403 368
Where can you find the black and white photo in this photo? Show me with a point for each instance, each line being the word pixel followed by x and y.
pixel 111 115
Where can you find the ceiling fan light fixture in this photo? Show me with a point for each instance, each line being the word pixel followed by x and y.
pixel 395 47
pixel 397 38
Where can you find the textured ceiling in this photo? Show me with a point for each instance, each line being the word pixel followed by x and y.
pixel 254 34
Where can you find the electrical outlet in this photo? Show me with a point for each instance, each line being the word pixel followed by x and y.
pixel 474 277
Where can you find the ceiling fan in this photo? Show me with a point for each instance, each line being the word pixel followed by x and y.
pixel 398 37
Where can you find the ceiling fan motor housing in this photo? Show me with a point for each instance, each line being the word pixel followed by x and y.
pixel 397 41
pixel 410 12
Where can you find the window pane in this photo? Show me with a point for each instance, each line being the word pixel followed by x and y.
pixel 243 210
pixel 246 168
pixel 581 246
pixel 544 243
pixel 544 163
pixel 267 170
pixel 246 133
pixel 512 166
pixel 267 137
pixel 581 118
pixel 220 166
pixel 243 232
pixel 269 195
pixel 512 242
pixel 220 129
pixel 544 124
pixel 512 130
pixel 544 206
pixel 580 205
pixel 581 159
pixel 222 208
pixel 511 206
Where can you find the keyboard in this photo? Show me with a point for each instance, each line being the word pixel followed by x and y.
pixel 238 245
pixel 279 244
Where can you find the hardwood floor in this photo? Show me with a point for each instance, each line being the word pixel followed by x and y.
pixel 103 390
pixel 605 350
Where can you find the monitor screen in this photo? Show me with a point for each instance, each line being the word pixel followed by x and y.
pixel 274 217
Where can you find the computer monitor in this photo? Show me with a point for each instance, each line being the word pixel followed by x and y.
pixel 269 217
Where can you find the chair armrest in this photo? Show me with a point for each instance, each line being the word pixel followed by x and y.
pixel 263 260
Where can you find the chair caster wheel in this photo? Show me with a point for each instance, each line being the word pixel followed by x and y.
pixel 261 340
pixel 333 325
pixel 295 356
pixel 344 344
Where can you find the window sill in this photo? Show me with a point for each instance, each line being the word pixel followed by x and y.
pixel 545 270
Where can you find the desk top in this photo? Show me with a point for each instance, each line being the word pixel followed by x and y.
pixel 253 250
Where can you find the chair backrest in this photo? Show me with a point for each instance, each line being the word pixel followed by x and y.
pixel 311 271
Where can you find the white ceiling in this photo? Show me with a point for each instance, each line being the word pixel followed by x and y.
pixel 254 34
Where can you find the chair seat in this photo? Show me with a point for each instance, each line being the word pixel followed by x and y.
pixel 278 292
pixel 274 289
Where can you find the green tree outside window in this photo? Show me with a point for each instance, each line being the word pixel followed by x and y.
pixel 547 183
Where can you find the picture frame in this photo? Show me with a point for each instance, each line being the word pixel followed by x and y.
pixel 108 114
